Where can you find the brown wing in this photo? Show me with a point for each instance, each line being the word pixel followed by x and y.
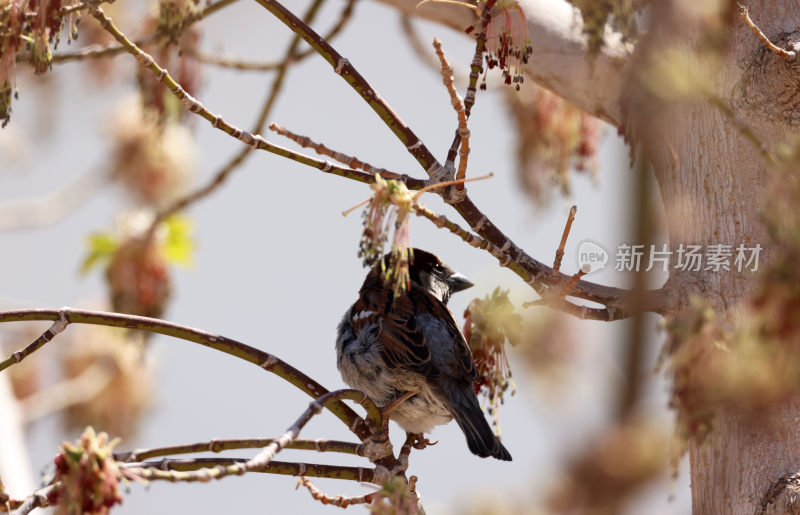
pixel 403 343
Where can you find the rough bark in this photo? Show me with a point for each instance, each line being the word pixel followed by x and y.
pixel 712 180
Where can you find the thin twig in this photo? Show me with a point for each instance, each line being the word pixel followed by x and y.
pixel 99 51
pixel 263 458
pixel 787 55
pixel 69 9
pixel 562 244
pixel 458 105
pixel 264 360
pixel 476 68
pixel 244 65
pixel 236 63
pixel 351 161
pixel 38 499
pixel 59 324
pixel 238 160
pixel 340 500
pixel 348 72
pixel 319 445
pixel 470 238
pixel 572 282
pixel 164 470
pixel 193 105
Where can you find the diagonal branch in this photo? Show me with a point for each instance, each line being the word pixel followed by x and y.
pixel 243 65
pixel 239 159
pixel 237 349
pixel 786 55
pixel 193 105
pixel 351 161
pixel 619 302
pixel 348 72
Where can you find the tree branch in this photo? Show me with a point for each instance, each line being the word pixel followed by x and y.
pixel 340 500
pixel 99 51
pixel 221 176
pixel 38 499
pixel 348 72
pixel 27 213
pixel 351 161
pixel 319 445
pixel 193 105
pixel 560 60
pixel 237 349
pixel 620 303
pixel 243 65
pixel 786 55
pixel 160 470
pixel 261 461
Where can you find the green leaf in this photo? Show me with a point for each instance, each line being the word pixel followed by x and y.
pixel 178 247
pixel 101 246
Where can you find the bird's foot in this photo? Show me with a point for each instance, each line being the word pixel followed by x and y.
pixel 418 441
pixel 387 410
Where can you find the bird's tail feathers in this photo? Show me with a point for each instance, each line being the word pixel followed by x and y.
pixel 482 441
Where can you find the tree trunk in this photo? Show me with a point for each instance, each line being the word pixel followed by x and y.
pixel 712 180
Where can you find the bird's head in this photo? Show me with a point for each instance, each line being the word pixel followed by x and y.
pixel 434 275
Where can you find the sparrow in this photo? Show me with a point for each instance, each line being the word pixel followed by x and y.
pixel 390 346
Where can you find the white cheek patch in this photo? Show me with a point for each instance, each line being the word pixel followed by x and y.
pixel 362 314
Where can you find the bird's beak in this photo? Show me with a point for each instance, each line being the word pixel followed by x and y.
pixel 458 282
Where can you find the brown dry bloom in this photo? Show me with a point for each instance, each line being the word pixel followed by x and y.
pixel 611 467
pixel 138 278
pixel 549 347
pixel 553 136
pixel 153 161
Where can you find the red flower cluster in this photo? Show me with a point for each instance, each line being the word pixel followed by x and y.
pixel 87 476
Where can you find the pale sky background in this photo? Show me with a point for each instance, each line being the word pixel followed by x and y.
pixel 276 264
